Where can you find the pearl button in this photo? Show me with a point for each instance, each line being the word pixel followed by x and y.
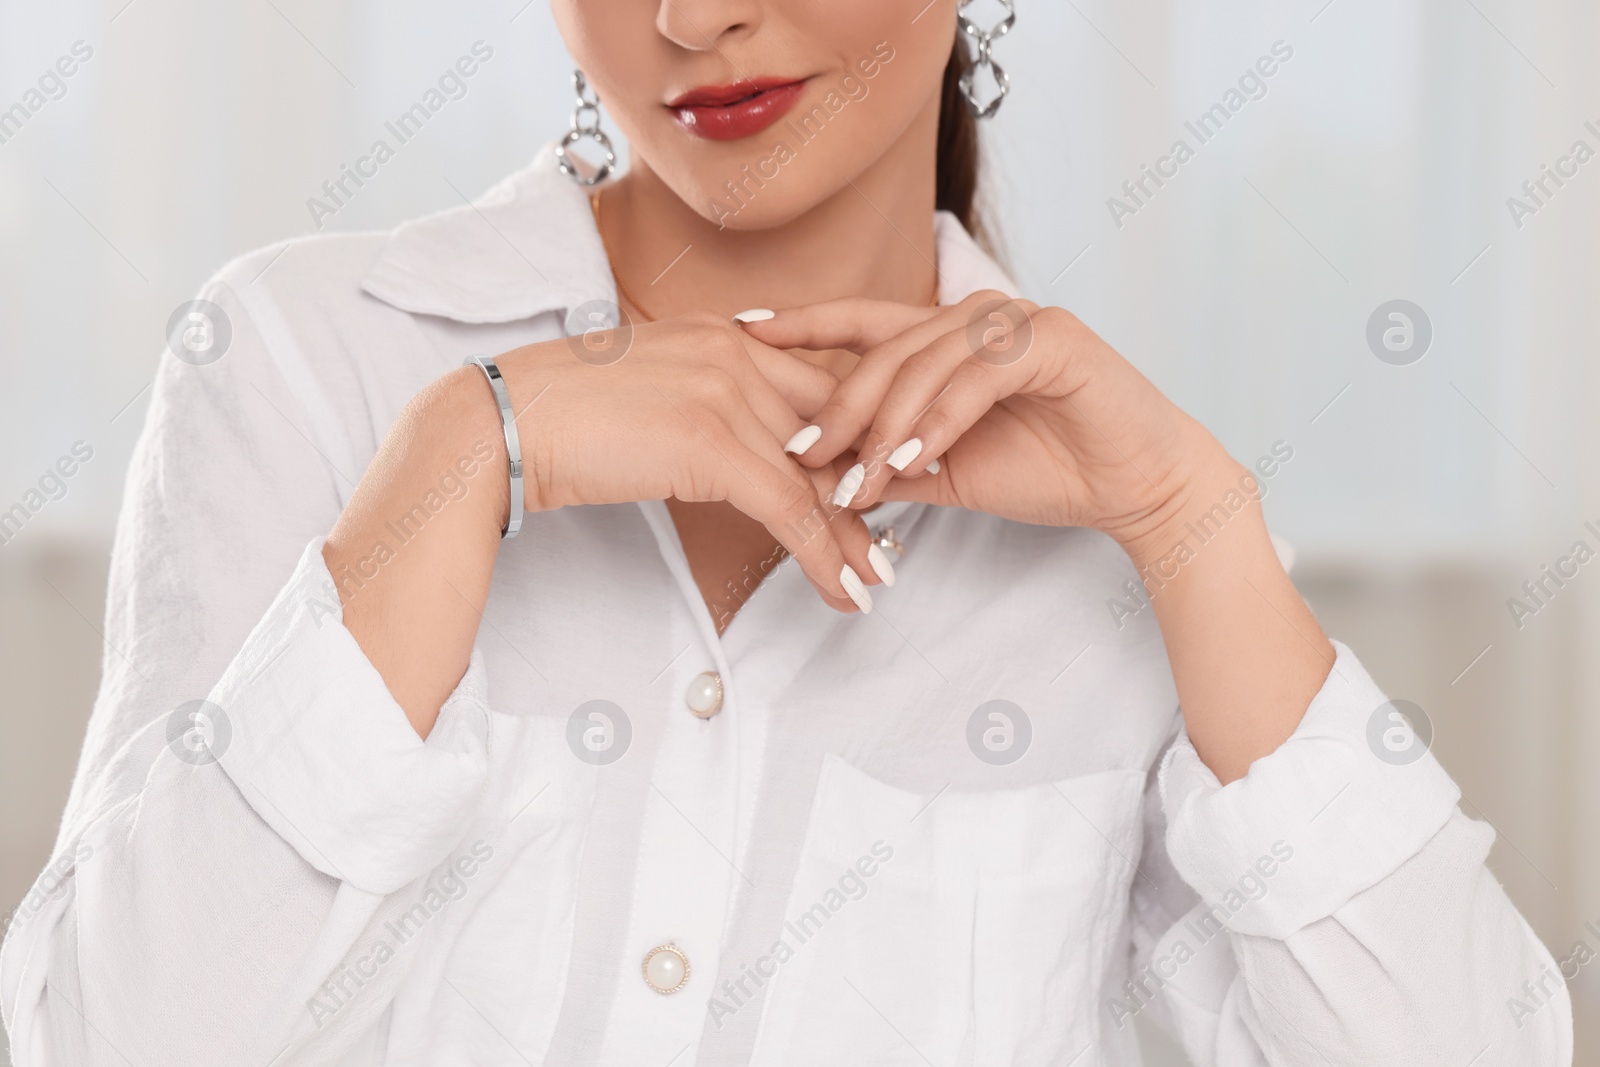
pixel 666 969
pixel 705 694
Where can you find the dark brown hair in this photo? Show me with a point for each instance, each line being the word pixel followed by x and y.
pixel 956 180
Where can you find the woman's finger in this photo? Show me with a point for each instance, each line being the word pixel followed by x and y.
pixel 921 365
pixel 804 386
pixel 790 501
pixel 851 533
pixel 855 324
pixel 850 530
pixel 931 488
pixel 935 396
pixel 842 422
pixel 913 433
pixel 760 414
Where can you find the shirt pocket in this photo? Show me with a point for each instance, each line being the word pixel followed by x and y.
pixel 951 928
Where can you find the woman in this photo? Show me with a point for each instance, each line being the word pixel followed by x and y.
pixel 392 768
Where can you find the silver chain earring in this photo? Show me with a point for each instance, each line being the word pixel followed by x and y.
pixel 984 40
pixel 585 124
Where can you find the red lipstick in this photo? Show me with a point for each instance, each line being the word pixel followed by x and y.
pixel 729 112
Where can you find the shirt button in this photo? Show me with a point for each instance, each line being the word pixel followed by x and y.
pixel 666 969
pixel 705 694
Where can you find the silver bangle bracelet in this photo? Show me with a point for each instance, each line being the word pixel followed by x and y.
pixel 508 421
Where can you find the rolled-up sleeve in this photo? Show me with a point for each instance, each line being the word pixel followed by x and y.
pixel 328 759
pixel 1333 906
pixel 1350 816
pixel 252 805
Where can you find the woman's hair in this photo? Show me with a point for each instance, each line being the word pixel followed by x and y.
pixel 957 177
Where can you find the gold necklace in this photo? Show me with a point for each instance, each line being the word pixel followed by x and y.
pixel 611 260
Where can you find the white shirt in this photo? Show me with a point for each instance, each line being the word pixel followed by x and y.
pixel 853 871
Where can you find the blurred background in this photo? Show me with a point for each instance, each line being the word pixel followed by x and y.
pixel 1430 479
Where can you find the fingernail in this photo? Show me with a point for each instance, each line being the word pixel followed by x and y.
pixel 932 467
pixel 803 439
pixel 853 587
pixel 849 485
pixel 755 315
pixel 905 454
pixel 880 564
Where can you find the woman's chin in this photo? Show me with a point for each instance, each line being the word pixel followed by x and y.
pixel 777 204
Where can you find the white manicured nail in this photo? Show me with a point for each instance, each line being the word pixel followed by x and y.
pixel 754 315
pixel 849 485
pixel 900 457
pixel 803 439
pixel 857 591
pixel 932 467
pixel 880 564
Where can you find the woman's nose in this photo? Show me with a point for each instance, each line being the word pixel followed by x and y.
pixel 702 25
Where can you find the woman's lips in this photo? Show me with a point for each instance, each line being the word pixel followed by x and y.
pixel 729 112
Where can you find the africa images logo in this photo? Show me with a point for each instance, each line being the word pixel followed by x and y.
pixel 198 732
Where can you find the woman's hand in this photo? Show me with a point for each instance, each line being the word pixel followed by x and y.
pixel 690 408
pixel 1031 416
pixel 1034 418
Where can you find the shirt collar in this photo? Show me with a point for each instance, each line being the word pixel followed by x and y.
pixel 529 246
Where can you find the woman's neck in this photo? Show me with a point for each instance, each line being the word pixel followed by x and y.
pixel 873 238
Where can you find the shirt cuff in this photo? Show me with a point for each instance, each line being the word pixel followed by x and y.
pixel 305 727
pixel 1332 812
